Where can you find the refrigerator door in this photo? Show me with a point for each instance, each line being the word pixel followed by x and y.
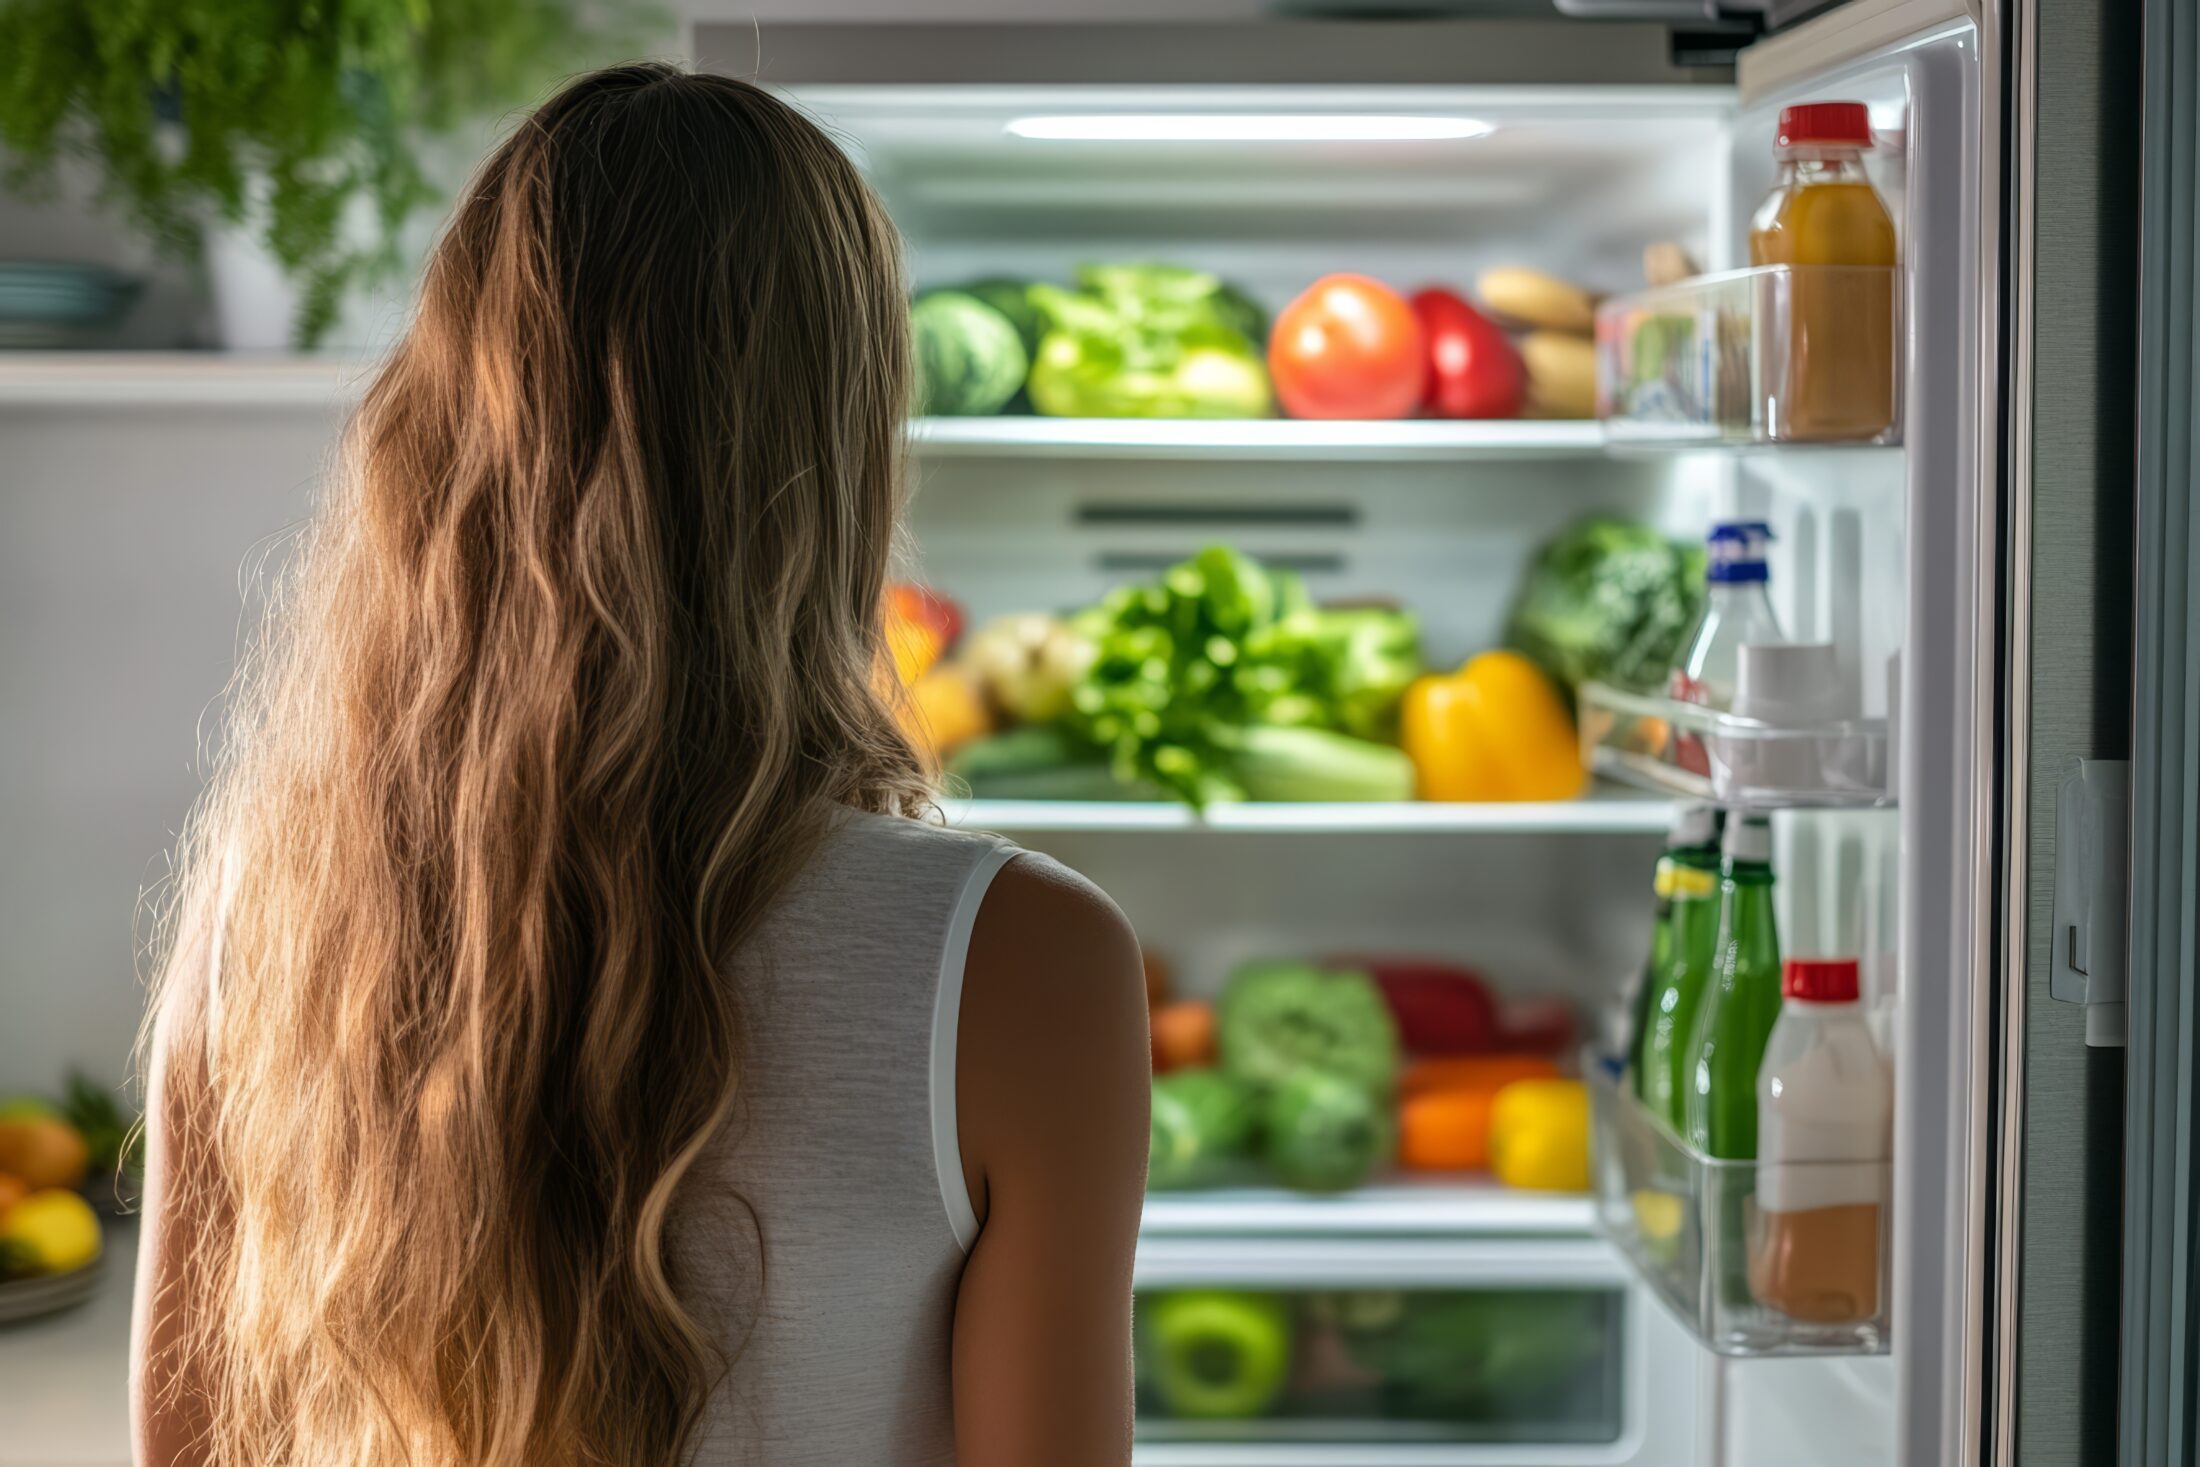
pixel 1914 594
pixel 2160 1412
pixel 2053 1225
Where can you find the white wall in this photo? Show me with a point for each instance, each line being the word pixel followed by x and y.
pixel 122 534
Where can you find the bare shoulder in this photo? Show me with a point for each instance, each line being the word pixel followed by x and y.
pixel 1038 908
pixel 1053 1057
pixel 1052 956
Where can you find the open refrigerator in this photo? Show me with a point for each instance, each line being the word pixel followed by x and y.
pixel 1898 553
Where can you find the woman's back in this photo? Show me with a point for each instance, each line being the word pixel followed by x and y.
pixel 547 1069
pixel 840 1173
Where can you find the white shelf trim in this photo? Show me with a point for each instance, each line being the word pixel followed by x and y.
pixel 1406 440
pixel 1602 814
pixel 31 379
pixel 1473 1207
pixel 178 379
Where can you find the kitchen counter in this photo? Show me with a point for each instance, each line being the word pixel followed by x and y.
pixel 64 1379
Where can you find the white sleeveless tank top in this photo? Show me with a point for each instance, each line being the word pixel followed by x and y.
pixel 823 1234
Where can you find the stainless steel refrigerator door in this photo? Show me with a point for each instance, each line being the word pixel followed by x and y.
pixel 2160 1415
pixel 2053 1231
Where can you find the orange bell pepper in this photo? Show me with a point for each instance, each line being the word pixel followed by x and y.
pixel 1445 1131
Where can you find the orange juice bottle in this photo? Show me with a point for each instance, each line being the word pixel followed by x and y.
pixel 1838 378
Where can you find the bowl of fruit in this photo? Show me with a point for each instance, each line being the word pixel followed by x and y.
pixel 60 1166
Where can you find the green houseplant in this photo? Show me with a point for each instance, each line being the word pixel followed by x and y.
pixel 289 117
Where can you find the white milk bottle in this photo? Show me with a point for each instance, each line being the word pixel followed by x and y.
pixel 1825 1107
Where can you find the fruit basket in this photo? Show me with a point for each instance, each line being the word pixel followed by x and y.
pixel 1701 753
pixel 1775 354
pixel 62 1167
pixel 1692 1227
pixel 43 1294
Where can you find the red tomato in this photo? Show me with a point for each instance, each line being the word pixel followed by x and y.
pixel 1348 348
pixel 1473 371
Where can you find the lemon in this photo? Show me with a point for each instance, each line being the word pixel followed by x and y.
pixel 1657 1215
pixel 54 1231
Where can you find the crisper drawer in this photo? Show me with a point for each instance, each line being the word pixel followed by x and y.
pixel 1387 1352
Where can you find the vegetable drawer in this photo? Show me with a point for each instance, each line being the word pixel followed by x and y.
pixel 1386 1351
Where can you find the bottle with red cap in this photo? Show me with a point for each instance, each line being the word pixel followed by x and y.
pixel 1825 1108
pixel 1838 379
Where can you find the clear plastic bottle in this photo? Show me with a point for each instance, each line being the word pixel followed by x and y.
pixel 1737 611
pixel 1825 1107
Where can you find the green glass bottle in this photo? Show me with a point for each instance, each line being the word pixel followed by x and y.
pixel 1692 835
pixel 1741 1005
pixel 1693 928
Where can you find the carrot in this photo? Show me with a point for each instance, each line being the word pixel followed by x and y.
pixel 1183 1035
pixel 1445 1131
pixel 1488 1072
pixel 1157 981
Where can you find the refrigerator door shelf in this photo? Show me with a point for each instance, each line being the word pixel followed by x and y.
pixel 1699 753
pixel 1779 354
pixel 1696 1229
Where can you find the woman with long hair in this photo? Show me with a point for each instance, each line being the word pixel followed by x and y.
pixel 577 1040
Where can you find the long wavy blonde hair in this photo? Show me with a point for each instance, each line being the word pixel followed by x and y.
pixel 572 667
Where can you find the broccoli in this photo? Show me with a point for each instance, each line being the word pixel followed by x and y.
pixel 1607 600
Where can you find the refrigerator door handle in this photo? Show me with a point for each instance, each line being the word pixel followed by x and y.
pixel 2092 912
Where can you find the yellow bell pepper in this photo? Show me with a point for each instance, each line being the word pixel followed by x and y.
pixel 1494 730
pixel 1539 1135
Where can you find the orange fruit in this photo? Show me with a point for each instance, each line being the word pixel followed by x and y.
pixel 12 1191
pixel 43 1152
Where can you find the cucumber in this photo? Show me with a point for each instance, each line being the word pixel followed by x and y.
pixel 1038 764
pixel 1314 764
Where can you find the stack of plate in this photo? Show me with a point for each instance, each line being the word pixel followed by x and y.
pixel 49 303
pixel 30 1298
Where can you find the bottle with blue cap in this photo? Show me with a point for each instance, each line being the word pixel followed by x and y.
pixel 1737 612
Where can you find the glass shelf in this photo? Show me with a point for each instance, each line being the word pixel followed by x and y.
pixel 156 379
pixel 1780 354
pixel 1692 752
pixel 1397 1206
pixel 1692 1228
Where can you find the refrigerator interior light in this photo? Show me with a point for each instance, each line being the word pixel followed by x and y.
pixel 1246 127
